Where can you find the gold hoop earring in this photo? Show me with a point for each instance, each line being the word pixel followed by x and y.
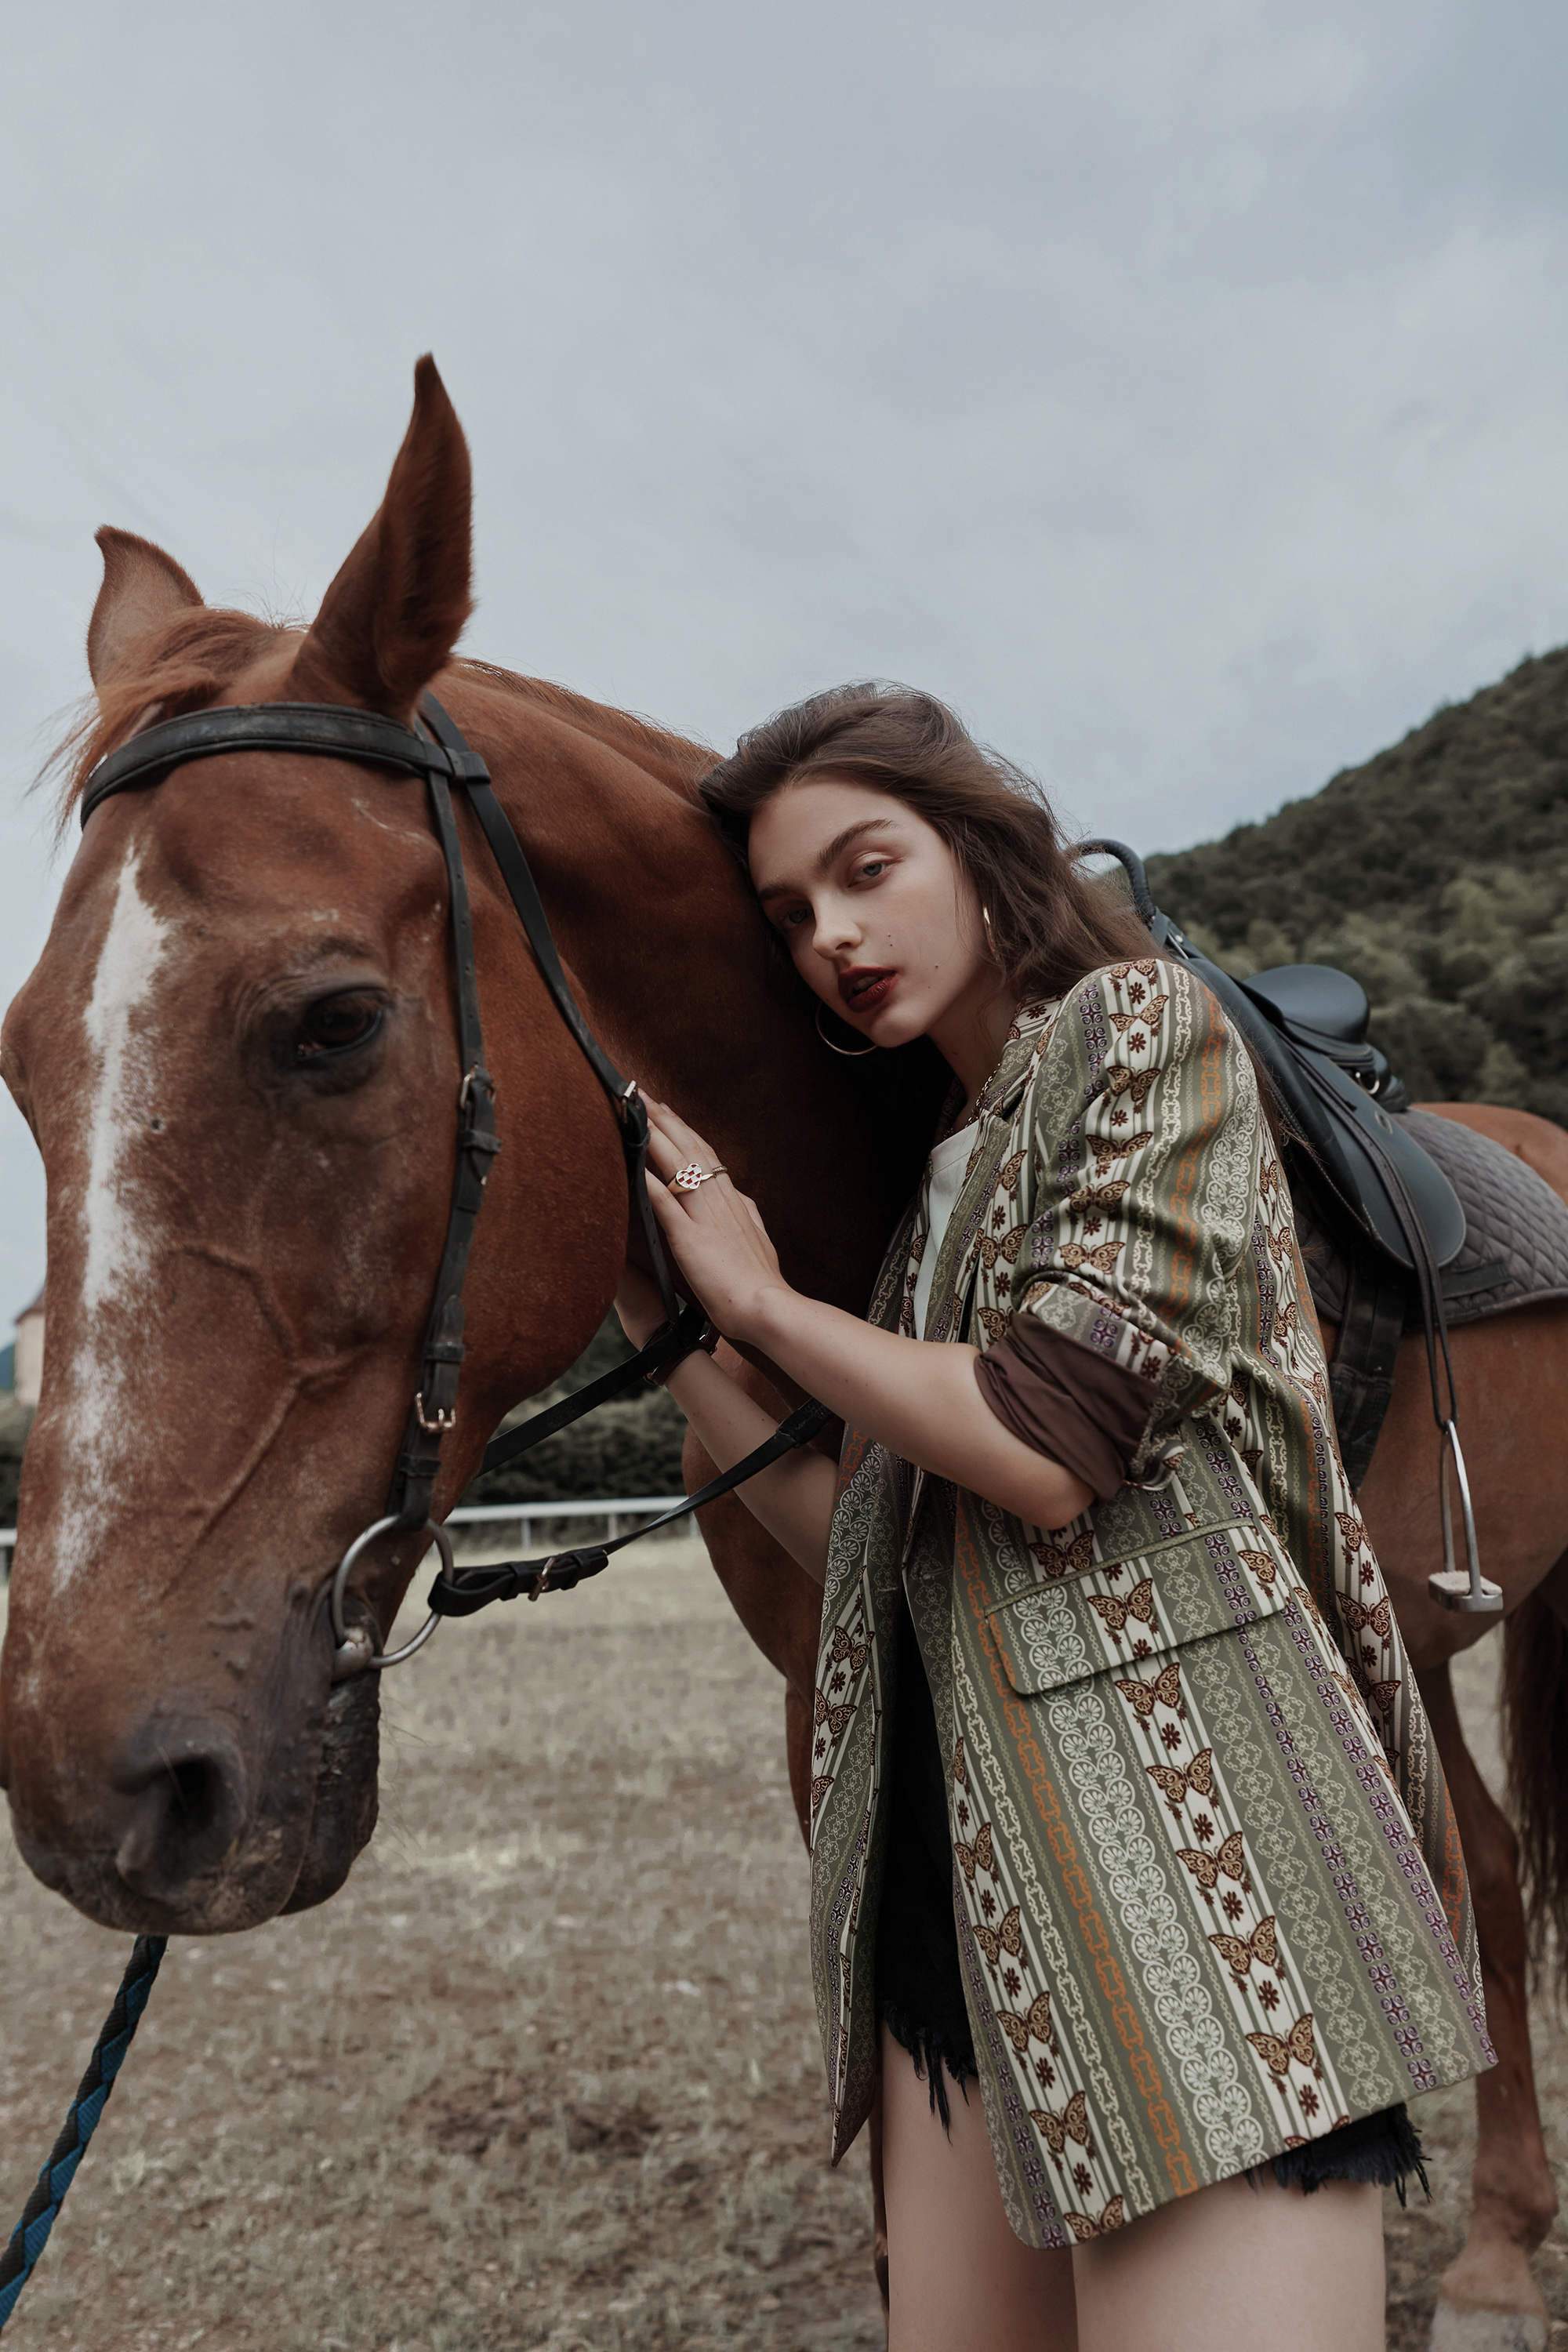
pixel 854 1052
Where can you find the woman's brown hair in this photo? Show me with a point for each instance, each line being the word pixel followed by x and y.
pixel 1051 921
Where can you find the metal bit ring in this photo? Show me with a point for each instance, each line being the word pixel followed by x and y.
pixel 351 1641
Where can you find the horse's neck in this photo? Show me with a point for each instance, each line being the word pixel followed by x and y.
pixel 666 953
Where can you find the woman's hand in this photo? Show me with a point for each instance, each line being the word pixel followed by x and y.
pixel 714 1235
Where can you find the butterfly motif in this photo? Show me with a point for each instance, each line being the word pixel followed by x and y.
pixel 995 1321
pixel 834 1718
pixel 841 1647
pixel 1071 2123
pixel 1007 1174
pixel 1102 1258
pixel 1379 1616
pixel 1109 1149
pixel 1353 1529
pixel 960 1765
pixel 1164 1690
pixel 1008 1247
pixel 1382 1695
pixel 1261 1946
pixel 1139 1603
pixel 1263 1567
pixel 1285 1323
pixel 819 1788
pixel 1178 1781
pixel 1120 1080
pixel 1065 1559
pixel 1279 2049
pixel 1277 1240
pixel 1007 1937
pixel 1098 1196
pixel 1145 965
pixel 1229 1857
pixel 978 1856
pixel 1032 2025
pixel 1148 1017
pixel 1112 2216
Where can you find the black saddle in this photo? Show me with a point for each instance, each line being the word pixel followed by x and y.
pixel 1308 1023
pixel 1400 1219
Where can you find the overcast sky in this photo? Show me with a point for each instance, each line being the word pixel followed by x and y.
pixel 1178 388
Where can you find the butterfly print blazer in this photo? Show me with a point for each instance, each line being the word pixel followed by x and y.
pixel 1207 1885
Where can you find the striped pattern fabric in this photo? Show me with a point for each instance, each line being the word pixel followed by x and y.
pixel 1207 1884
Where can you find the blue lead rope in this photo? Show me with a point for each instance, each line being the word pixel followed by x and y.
pixel 31 2234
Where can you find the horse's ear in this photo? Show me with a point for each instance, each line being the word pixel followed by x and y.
pixel 396 609
pixel 142 590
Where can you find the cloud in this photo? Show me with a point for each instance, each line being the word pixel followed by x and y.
pixel 1178 387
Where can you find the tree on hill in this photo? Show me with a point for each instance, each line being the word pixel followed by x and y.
pixel 1437 873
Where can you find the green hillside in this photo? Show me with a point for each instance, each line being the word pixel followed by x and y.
pixel 1437 873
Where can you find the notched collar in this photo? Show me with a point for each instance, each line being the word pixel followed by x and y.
pixel 998 1098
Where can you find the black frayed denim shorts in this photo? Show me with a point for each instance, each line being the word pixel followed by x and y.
pixel 920 1991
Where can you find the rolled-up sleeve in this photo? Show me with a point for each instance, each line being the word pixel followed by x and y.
pixel 1142 1122
pixel 1086 1414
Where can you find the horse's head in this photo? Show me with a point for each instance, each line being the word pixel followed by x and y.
pixel 238 1056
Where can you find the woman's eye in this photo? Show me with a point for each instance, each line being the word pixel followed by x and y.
pixel 867 872
pixel 338 1025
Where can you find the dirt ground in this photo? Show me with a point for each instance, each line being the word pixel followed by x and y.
pixel 545 2074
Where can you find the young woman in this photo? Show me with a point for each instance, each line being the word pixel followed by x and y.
pixel 1124 1810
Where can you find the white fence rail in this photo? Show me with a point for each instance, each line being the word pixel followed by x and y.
pixel 613 1510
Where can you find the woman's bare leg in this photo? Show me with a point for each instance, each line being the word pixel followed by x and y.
pixel 1275 2267
pixel 958 2279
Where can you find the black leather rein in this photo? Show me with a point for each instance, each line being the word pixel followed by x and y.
pixel 445 763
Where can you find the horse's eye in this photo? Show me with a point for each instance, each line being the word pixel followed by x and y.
pixel 338 1025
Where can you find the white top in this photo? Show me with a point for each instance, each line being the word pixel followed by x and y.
pixel 944 1174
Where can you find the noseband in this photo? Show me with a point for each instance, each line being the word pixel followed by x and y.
pixel 438 754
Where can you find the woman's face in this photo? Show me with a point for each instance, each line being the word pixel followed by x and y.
pixel 858 884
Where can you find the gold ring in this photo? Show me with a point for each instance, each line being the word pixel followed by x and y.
pixel 687 1179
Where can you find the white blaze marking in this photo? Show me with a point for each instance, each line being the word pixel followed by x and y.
pixel 117 1251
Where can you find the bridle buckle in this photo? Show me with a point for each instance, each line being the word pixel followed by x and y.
pixel 445 1417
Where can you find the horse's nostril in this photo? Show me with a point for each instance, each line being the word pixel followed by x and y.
pixel 183 1812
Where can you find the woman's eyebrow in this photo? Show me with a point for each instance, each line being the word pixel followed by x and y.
pixel 830 850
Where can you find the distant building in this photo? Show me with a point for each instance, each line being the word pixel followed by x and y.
pixel 27 1367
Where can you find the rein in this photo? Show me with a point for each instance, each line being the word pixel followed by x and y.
pixel 439 754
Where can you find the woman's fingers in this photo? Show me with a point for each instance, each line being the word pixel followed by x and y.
pixel 672 1142
pixel 679 1132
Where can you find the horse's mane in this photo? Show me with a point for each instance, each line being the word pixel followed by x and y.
pixel 204 650
pixel 622 729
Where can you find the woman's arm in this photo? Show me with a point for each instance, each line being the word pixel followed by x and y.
pixel 919 1398
pixel 793 1497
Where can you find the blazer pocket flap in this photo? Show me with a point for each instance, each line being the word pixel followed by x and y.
pixel 1125 1612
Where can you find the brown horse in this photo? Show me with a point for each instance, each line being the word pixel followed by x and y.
pixel 237 1056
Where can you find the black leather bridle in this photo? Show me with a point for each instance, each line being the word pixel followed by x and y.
pixel 446 763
